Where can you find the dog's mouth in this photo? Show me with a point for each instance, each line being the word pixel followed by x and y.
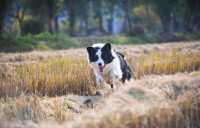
pixel 101 68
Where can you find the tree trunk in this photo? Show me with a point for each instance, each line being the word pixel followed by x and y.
pixel 71 21
pixel 174 25
pixel 81 27
pixel 165 24
pixel 128 14
pixel 20 26
pixel 86 24
pixel 3 7
pixel 1 27
pixel 50 28
pixel 111 20
pixel 20 20
pixel 189 23
pixel 50 16
pixel 148 16
pixel 100 15
pixel 2 17
pixel 125 23
pixel 56 25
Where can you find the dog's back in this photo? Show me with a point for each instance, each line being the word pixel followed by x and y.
pixel 126 70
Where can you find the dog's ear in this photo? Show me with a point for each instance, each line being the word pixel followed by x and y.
pixel 90 50
pixel 106 47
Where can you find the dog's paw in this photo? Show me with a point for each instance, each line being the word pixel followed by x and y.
pixel 98 93
pixel 113 87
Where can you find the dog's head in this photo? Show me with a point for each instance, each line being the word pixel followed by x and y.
pixel 99 55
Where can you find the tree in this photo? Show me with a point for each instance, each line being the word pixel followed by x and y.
pixel 100 16
pixel 164 9
pixel 58 9
pixel 190 9
pixel 110 4
pixel 142 17
pixel 127 13
pixel 97 4
pixel 29 26
pixel 53 9
pixel 72 9
pixel 48 9
pixel 126 6
pixel 19 14
pixel 146 5
pixel 83 15
pixel 5 7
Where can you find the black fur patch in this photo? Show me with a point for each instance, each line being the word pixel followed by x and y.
pixel 107 54
pixel 111 85
pixel 92 53
pixel 126 70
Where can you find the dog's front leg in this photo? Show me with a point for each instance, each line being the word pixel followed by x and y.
pixel 112 80
pixel 99 82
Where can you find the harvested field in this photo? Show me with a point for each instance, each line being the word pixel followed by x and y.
pixel 56 89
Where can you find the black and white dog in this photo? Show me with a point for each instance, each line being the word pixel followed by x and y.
pixel 107 64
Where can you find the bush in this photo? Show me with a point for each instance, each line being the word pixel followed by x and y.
pixel 63 42
pixel 45 36
pixel 33 26
pixel 136 30
pixel 189 35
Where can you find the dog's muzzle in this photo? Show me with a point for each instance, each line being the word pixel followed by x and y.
pixel 101 68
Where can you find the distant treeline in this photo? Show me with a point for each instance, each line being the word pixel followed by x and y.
pixel 98 17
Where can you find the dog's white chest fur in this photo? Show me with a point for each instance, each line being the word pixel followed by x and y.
pixel 112 68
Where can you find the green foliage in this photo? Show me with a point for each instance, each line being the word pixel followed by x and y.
pixel 46 41
pixel 33 26
pixel 136 30
pixel 120 40
pixel 40 8
pixel 141 16
pixel 63 42
pixel 189 35
pixel 42 41
pixel 45 36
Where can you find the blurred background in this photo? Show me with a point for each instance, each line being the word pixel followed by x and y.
pixel 27 25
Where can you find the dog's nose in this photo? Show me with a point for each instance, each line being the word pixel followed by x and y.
pixel 99 64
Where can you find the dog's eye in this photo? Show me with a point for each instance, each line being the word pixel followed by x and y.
pixel 102 56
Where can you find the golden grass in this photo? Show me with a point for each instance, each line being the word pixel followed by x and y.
pixel 22 108
pixel 50 77
pixel 60 76
pixel 169 62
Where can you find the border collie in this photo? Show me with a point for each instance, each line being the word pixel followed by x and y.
pixel 107 64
